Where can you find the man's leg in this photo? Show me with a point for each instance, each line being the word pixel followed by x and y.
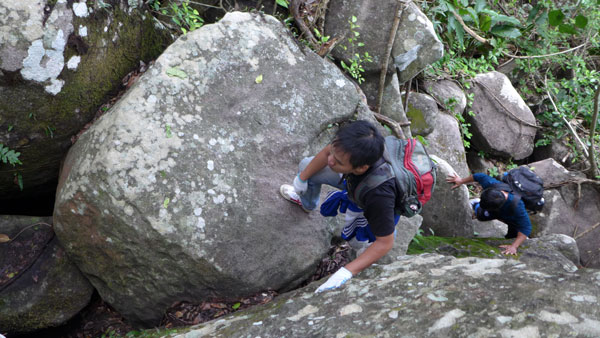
pixel 310 199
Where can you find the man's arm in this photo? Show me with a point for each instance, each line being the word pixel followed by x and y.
pixel 512 249
pixel 316 164
pixel 458 181
pixel 372 254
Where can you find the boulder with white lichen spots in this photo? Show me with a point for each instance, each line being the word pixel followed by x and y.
pixel 59 61
pixel 174 193
pixel 430 295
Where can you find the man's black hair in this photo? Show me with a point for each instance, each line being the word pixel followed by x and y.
pixel 362 141
pixel 492 199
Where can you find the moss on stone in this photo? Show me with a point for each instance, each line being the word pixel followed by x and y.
pixel 33 113
pixel 459 247
pixel 417 118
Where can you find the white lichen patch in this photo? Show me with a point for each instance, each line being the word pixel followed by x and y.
pixel 80 9
pixel 525 332
pixel 584 298
pixel 447 320
pixel 558 318
pixel 305 311
pixel 73 62
pixel 350 309
pixel 83 32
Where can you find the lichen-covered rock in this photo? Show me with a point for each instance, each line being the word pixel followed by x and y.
pixel 448 93
pixel 570 210
pixel 431 296
pixel 422 111
pixel 446 142
pixel 174 193
pixel 448 212
pixel 502 125
pixel 415 46
pixel 49 290
pixel 59 61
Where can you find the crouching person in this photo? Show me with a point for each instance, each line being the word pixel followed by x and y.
pixel 495 203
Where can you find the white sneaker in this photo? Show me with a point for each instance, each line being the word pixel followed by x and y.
pixel 289 193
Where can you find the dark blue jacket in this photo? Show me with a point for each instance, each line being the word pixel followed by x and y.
pixel 515 216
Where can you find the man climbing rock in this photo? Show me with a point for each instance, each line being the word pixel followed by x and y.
pixel 356 152
pixel 496 203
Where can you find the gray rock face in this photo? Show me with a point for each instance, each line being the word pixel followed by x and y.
pixel 58 62
pixel 448 94
pixel 431 296
pixel 415 46
pixel 174 193
pixel 448 212
pixel 446 142
pixel 569 211
pixel 422 111
pixel 503 123
pixel 50 291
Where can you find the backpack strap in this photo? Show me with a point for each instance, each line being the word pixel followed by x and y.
pixel 382 171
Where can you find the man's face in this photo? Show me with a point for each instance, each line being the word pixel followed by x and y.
pixel 339 161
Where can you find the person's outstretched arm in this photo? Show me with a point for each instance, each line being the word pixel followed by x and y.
pixel 512 248
pixel 458 181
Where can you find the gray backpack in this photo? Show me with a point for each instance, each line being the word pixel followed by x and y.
pixel 415 173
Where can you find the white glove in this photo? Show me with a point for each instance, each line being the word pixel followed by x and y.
pixel 299 185
pixel 336 280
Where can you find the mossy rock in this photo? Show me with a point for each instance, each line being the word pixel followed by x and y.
pixel 459 247
pixel 40 125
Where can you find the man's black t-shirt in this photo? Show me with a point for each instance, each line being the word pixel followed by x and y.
pixel 379 204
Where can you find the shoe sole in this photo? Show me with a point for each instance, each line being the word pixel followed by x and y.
pixel 285 197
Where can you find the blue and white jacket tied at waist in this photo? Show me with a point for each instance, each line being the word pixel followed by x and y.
pixel 355 223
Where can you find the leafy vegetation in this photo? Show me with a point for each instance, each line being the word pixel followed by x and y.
pixel 354 66
pixel 8 155
pixel 180 13
pixel 554 51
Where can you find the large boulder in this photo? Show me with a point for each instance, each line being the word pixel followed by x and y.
pixel 59 61
pixel 448 212
pixel 571 209
pixel 39 286
pixel 448 93
pixel 502 124
pixel 174 193
pixel 431 296
pixel 446 142
pixel 415 46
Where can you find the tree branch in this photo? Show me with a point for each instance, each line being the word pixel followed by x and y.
pixel 400 6
pixel 592 156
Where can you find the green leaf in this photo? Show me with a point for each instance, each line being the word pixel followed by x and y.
pixel 20 180
pixel 353 19
pixel 506 19
pixel 236 306
pixel 505 31
pixel 532 14
pixel 174 72
pixel 282 3
pixel 480 5
pixel 555 17
pixel 259 79
pixel 581 21
pixel 10 127
pixel 166 202
pixel 168 131
pixel 485 23
pixel 564 28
